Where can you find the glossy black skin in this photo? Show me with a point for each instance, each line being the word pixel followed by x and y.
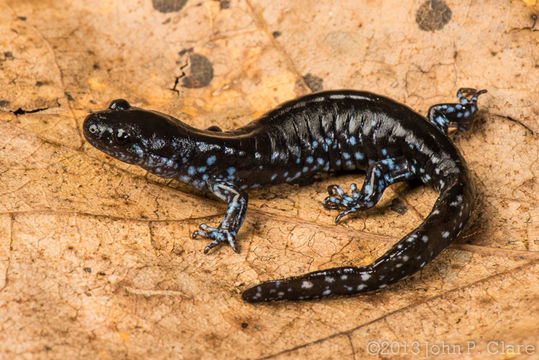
pixel 324 132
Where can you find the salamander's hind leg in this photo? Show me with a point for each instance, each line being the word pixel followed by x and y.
pixel 235 214
pixel 379 176
pixel 460 115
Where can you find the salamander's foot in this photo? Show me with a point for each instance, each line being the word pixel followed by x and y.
pixel 459 115
pixel 469 95
pixel 338 199
pixel 218 236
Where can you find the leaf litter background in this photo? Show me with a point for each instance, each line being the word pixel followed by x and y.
pixel 96 259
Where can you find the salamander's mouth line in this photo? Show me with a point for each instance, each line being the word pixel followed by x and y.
pixel 327 132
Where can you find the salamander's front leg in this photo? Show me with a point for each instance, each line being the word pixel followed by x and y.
pixel 234 216
pixel 380 175
pixel 461 114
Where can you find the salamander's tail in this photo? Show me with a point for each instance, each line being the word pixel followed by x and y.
pixel 443 225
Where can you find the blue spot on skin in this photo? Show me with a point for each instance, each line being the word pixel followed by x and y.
pixel 358 156
pixel 384 152
pixel 191 170
pixel 458 106
pixel 285 174
pixel 450 109
pixel 273 177
pixel 441 120
pixel 211 160
pixel 338 162
pixel 389 162
pixel 368 189
pixel 201 169
pixel 445 234
pixel 466 113
pixel 459 114
pixel 315 144
pixel 309 159
pixel 346 155
pixel 305 169
pixel 320 161
pixel 353 140
pixel 205 177
pixel 231 170
pixel 298 160
pixel 328 141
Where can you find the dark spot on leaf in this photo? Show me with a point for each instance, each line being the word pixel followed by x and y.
pixel 4 103
pixel 21 111
pixel 313 82
pixel 8 54
pixel 244 325
pixel 398 206
pixel 88 269
pixel 276 34
pixel 433 15
pixel 39 83
pixel 22 18
pixel 224 4
pixel 200 72
pixel 185 51
pixel 166 6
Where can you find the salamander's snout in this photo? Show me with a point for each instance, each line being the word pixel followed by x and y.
pixel 93 127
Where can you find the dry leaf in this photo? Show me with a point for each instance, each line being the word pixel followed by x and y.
pixel 96 259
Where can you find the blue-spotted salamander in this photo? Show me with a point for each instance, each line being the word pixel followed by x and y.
pixel 329 131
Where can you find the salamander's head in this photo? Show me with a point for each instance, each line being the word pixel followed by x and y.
pixel 146 138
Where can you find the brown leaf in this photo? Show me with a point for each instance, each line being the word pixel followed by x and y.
pixel 96 258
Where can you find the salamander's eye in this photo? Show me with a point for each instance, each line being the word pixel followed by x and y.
pixel 93 129
pixel 121 136
pixel 119 104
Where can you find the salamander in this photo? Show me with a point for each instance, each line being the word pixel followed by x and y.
pixel 325 132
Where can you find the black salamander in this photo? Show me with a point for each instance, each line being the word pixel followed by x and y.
pixel 322 132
